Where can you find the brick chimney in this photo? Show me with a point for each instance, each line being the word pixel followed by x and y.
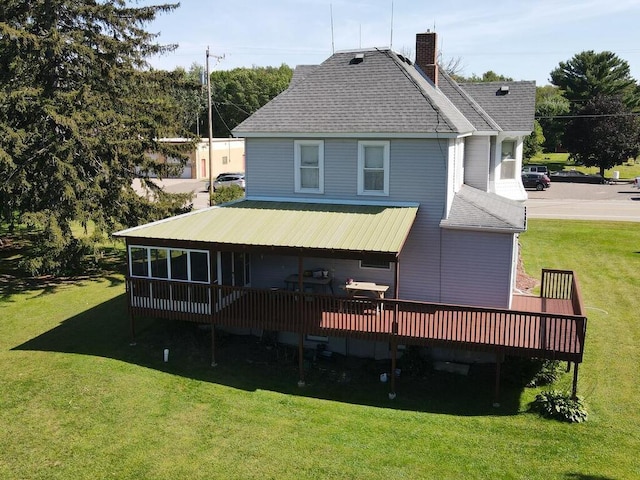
pixel 427 55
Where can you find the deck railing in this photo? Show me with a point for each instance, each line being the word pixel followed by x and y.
pixel 545 335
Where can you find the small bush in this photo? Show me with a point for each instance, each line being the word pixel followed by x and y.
pixel 227 194
pixel 559 406
pixel 548 372
pixel 531 372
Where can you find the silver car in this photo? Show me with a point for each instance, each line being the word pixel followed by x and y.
pixel 226 180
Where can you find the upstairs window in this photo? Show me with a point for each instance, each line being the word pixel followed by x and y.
pixel 309 165
pixel 373 168
pixel 508 163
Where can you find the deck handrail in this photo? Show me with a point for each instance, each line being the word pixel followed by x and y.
pixel 546 334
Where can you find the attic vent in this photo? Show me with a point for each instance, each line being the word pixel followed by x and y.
pixel 404 59
pixel 358 58
pixel 503 90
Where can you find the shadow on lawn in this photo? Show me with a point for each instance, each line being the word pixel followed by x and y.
pixel 251 363
pixel 582 476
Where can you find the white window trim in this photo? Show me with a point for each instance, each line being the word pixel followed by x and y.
pixel 169 250
pixel 512 159
pixel 297 165
pixel 372 143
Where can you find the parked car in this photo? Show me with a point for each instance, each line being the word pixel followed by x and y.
pixel 574 176
pixel 226 180
pixel 539 181
pixel 532 168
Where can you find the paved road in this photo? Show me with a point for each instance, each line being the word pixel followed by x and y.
pixel 619 202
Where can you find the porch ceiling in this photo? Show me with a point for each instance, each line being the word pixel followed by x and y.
pixel 332 229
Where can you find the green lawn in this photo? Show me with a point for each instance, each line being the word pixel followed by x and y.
pixel 76 401
pixel 559 161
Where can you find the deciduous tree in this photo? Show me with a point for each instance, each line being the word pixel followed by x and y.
pixel 604 133
pixel 550 105
pixel 238 93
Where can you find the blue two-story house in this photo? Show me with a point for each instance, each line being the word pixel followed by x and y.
pixel 383 207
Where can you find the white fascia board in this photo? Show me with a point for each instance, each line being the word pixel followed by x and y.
pixel 348 135
pixel 479 228
pixel 522 133
pixel 128 231
pixel 327 201
pixel 486 133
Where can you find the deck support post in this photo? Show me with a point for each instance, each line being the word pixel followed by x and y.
pixel 301 359
pixel 132 326
pixel 213 345
pixel 568 367
pixel 496 395
pixel 394 355
pixel 574 390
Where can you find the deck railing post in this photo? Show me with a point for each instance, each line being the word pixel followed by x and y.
pixel 496 395
pixel 394 355
pixel 301 358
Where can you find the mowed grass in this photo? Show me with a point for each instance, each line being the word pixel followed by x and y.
pixel 76 401
pixel 560 161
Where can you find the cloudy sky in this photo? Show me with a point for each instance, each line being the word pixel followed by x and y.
pixel 521 39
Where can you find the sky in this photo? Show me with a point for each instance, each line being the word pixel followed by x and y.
pixel 521 39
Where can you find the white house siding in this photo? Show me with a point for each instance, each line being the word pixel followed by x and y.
pixel 477 267
pixel 508 188
pixel 455 176
pixel 418 173
pixel 476 164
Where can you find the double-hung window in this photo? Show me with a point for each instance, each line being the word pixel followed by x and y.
pixel 309 166
pixel 508 163
pixel 373 168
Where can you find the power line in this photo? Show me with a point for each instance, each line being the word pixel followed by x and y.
pixel 595 115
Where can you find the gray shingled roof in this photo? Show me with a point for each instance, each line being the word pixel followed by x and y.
pixel 474 209
pixel 469 108
pixel 515 111
pixel 380 94
pixel 300 73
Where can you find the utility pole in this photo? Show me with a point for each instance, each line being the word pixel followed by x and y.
pixel 210 125
pixel 210 132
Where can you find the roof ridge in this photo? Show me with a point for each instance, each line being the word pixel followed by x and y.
pixel 401 66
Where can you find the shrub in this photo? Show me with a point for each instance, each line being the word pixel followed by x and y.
pixel 531 372
pixel 559 406
pixel 227 194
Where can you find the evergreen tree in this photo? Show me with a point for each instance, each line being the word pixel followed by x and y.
pixel 79 114
pixel 589 74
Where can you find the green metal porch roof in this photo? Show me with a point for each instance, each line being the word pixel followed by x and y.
pixel 337 227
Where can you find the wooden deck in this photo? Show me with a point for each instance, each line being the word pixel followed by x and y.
pixel 550 326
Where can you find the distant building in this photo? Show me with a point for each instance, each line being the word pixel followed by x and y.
pixel 227 156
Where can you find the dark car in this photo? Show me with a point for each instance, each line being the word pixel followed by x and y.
pixel 539 181
pixel 574 176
